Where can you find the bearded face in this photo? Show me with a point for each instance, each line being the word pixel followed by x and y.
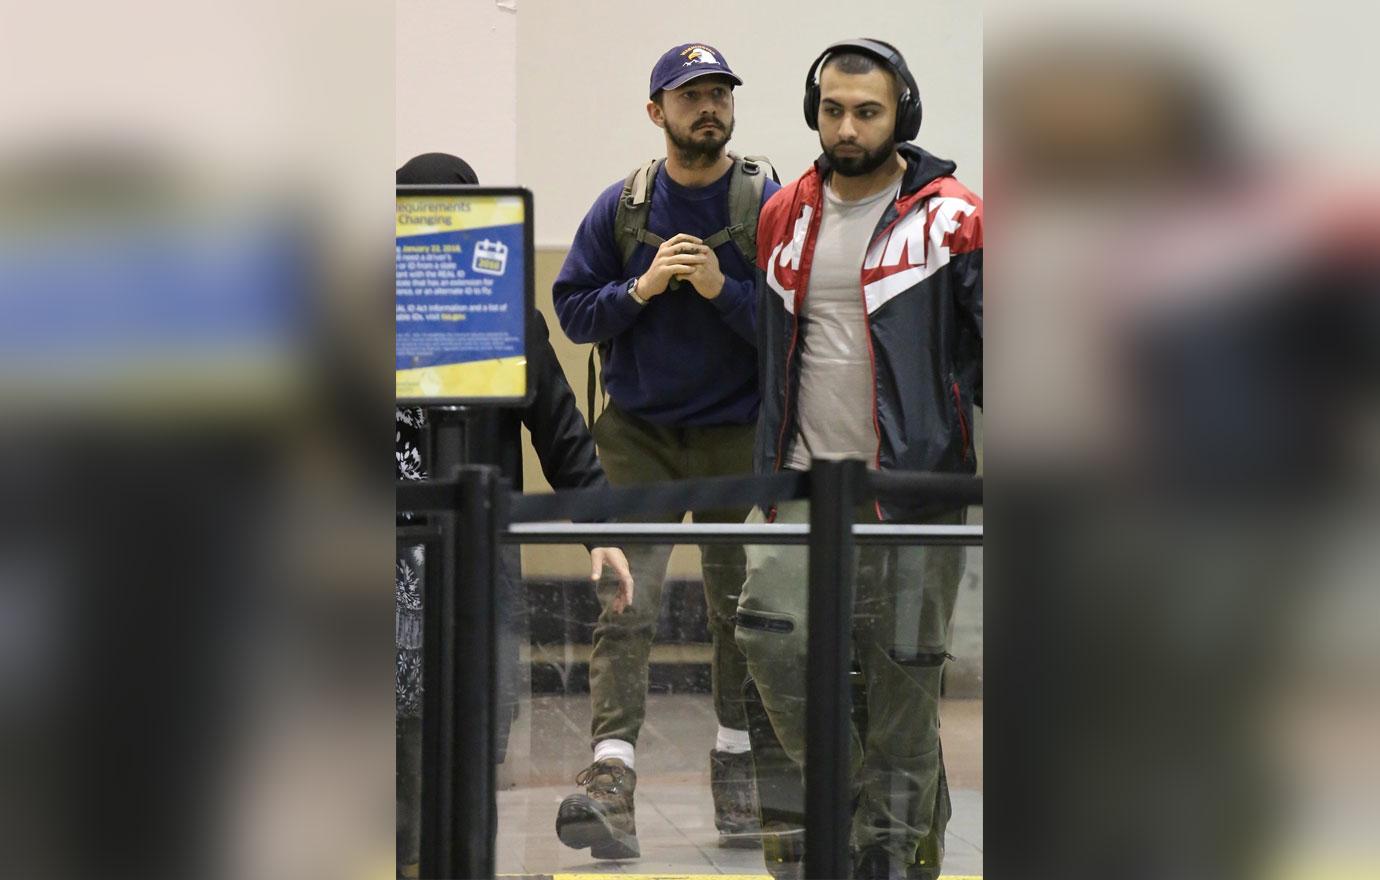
pixel 857 120
pixel 698 118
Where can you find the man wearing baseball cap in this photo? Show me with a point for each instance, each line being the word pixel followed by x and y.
pixel 660 277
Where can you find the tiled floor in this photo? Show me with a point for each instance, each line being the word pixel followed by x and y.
pixel 675 825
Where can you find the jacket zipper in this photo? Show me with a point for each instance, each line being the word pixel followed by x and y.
pixel 802 280
pixel 962 421
pixel 786 395
pixel 871 353
pixel 872 362
pixel 917 196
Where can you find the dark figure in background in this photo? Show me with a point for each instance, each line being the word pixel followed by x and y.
pixel 493 436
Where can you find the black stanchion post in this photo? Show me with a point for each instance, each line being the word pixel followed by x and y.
pixel 475 809
pixel 834 491
pixel 459 813
pixel 438 696
pixel 446 442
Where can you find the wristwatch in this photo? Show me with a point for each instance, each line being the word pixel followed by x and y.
pixel 632 292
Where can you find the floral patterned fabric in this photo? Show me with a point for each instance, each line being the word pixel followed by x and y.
pixel 410 572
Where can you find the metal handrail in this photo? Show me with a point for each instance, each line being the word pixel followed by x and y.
pixel 731 533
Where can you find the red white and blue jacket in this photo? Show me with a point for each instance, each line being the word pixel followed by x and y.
pixel 922 287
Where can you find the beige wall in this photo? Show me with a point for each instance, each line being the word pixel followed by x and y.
pixel 456 83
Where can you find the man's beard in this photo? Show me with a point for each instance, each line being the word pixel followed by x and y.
pixel 859 164
pixel 694 149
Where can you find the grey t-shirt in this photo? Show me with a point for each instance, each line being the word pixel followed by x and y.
pixel 835 403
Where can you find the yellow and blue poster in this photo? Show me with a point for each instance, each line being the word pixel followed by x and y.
pixel 462 294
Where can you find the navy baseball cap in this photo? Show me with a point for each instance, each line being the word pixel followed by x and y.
pixel 687 61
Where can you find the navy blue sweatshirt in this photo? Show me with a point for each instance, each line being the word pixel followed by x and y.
pixel 680 360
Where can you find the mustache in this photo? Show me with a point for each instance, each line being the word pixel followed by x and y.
pixel 707 123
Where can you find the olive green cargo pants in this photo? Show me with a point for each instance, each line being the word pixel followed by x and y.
pixel 635 451
pixel 903 611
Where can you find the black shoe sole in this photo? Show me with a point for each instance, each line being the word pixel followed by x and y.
pixel 580 824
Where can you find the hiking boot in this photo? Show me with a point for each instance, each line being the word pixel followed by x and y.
pixel 735 799
pixel 601 818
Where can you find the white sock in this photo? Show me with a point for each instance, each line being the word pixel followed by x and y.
pixel 614 748
pixel 735 742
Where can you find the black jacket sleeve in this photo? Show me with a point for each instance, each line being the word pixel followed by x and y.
pixel 559 434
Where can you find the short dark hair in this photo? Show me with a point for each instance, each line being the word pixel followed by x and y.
pixel 848 61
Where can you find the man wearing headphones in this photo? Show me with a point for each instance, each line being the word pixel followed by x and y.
pixel 869 346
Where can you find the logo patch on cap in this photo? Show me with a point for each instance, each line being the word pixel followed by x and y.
pixel 699 55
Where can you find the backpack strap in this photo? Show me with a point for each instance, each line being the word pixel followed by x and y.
pixel 634 205
pixel 745 189
pixel 749 178
pixel 629 230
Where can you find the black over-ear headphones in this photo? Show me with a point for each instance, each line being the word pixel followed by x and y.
pixel 907 107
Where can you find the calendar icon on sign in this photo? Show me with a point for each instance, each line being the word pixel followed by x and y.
pixel 490 257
